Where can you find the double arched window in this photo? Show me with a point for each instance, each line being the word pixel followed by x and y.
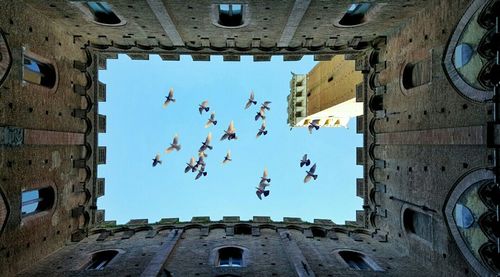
pixel 230 257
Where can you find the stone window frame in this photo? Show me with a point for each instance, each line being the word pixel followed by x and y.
pixel 90 17
pixel 35 87
pixel 372 263
pixel 26 221
pixel 423 55
pixel 412 235
pixel 214 15
pixel 372 12
pixel 462 184
pixel 5 59
pixel 245 256
pixel 83 266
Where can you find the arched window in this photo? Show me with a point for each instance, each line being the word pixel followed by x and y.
pixel 39 73
pixel 355 14
pixel 318 232
pixel 230 257
pixel 376 103
pixel 35 201
pixel 231 15
pixel 101 259
pixel 358 261
pixel 242 229
pixel 418 223
pixel 103 13
pixel 416 74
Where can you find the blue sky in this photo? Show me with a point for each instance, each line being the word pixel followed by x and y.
pixel 138 128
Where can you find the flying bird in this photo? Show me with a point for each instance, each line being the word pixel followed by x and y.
pixel 169 98
pixel 261 189
pixel 230 133
pixel 191 166
pixel 206 144
pixel 174 145
pixel 265 105
pixel 203 106
pixel 250 101
pixel 199 163
pixel 264 179
pixel 305 161
pixel 201 172
pixel 262 130
pixel 202 154
pixel 156 160
pixel 313 125
pixel 227 158
pixel 211 121
pixel 310 174
pixel 261 114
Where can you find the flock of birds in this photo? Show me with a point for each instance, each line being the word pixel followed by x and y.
pixel 230 134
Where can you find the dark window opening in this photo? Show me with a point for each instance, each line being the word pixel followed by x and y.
pixel 418 223
pixel 376 103
pixel 35 201
pixel 39 73
pixel 230 257
pixel 356 14
pixel 101 259
pixel 242 230
pixel 417 74
pixel 490 255
pixel 102 13
pixel 317 232
pixel 330 79
pixel 230 15
pixel 355 260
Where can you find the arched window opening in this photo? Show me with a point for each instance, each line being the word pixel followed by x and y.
pixel 230 15
pixel 318 232
pixel 242 230
pixel 489 76
pixel 35 201
pixel 101 259
pixel 39 73
pixel 418 223
pixel 463 55
pixel 416 74
pixel 376 103
pixel 103 13
pixel 358 261
pixel 490 225
pixel 463 216
pixel 230 257
pixel 490 256
pixel 356 14
pixel 489 193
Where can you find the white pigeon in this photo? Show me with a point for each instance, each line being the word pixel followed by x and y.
pixel 156 160
pixel 313 125
pixel 250 101
pixel 264 180
pixel 305 161
pixel 169 98
pixel 310 174
pixel 174 145
pixel 206 144
pixel 261 189
pixel 230 133
pixel 227 158
pixel 211 121
pixel 262 130
pixel 203 106
pixel 191 166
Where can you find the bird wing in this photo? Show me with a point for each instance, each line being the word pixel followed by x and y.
pixel 249 103
pixel 212 116
pixel 209 138
pixel 265 173
pixel 307 178
pixel 208 123
pixel 157 157
pixel 313 168
pixel 304 158
pixel 252 96
pixel 200 109
pixel 262 111
pixel 315 121
pixel 266 103
pixel 170 149
pixel 259 194
pixel 171 93
pixel 176 139
pixel 310 128
pixel 228 155
pixel 258 134
pixel 263 126
pixel 230 129
pixel 165 104
pixel 198 175
pixel 192 162
pixel 204 104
